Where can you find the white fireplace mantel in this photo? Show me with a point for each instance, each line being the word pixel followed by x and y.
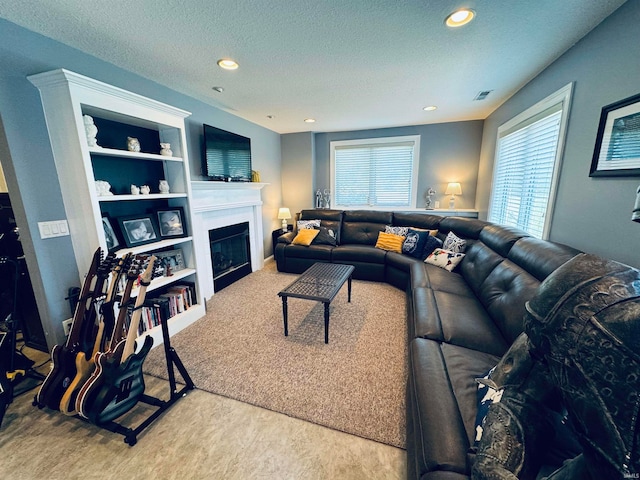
pixel 220 204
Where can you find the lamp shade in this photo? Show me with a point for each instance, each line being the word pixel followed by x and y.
pixel 453 188
pixel 284 213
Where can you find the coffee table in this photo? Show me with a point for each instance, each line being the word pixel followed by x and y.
pixel 321 282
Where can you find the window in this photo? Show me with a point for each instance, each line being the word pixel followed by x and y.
pixel 376 173
pixel 528 154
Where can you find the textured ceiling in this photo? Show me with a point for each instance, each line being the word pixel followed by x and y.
pixel 350 64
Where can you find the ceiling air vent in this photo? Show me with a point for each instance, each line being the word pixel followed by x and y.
pixel 483 94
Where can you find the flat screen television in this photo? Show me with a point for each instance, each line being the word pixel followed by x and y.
pixel 226 156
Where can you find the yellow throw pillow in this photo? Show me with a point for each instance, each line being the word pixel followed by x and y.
pixel 305 236
pixel 390 242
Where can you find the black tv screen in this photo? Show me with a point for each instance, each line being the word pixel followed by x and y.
pixel 226 156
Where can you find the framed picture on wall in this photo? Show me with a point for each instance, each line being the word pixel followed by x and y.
pixel 171 222
pixel 138 229
pixel 617 149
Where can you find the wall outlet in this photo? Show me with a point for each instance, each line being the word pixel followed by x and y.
pixel 66 325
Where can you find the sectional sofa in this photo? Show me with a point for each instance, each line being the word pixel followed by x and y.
pixel 460 323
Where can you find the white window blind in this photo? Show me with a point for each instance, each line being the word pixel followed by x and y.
pixel 375 172
pixel 528 153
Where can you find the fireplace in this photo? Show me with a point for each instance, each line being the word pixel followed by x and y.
pixel 230 254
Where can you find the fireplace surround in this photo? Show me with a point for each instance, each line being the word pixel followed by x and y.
pixel 222 204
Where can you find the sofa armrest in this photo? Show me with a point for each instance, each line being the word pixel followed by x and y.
pixel 286 237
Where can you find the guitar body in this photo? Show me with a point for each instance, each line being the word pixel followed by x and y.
pixel 63 358
pixel 121 387
pixel 63 370
pixel 84 369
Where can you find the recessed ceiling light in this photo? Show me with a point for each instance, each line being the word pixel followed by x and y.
pixel 309 120
pixel 227 64
pixel 430 108
pixel 218 89
pixel 460 17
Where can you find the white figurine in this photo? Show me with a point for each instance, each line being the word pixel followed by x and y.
pixel 91 130
pixel 133 144
pixel 164 186
pixel 103 188
pixel 135 190
pixel 165 149
pixel 145 190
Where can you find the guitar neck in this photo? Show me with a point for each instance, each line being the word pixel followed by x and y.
pixel 90 281
pixel 132 334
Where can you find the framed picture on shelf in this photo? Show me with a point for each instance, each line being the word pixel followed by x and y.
pixel 138 229
pixel 109 234
pixel 172 260
pixel 617 150
pixel 172 222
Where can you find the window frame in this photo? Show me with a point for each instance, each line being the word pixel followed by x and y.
pixel 563 98
pixel 363 142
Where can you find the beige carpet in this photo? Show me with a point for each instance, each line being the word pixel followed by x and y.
pixel 355 384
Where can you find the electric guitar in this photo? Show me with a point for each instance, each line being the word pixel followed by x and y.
pixel 116 345
pixel 63 366
pixel 85 361
pixel 117 382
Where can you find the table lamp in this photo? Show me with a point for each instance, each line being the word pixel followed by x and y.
pixel 453 189
pixel 284 214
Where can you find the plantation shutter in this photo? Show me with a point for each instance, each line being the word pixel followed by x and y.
pixel 378 175
pixel 524 172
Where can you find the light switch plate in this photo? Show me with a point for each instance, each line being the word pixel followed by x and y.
pixel 54 228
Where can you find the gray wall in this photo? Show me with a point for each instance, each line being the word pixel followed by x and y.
pixel 29 168
pixel 592 214
pixel 297 171
pixel 449 152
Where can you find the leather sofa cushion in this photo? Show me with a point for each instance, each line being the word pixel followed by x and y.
pixel 464 366
pixel 466 323
pixel 363 226
pixel 454 282
pixel 425 319
pixel 357 253
pixel 501 238
pixel 504 294
pixel 440 441
pixel 477 264
pixel 418 276
pixel 320 252
pixel 539 257
pixel 401 261
pixel 425 221
pixel 468 228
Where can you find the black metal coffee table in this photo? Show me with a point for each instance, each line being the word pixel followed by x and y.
pixel 321 282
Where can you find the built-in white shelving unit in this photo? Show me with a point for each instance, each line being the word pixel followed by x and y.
pixel 66 98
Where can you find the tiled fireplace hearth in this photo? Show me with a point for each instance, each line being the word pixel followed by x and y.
pixel 217 205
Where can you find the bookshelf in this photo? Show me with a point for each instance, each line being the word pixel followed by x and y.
pixel 67 98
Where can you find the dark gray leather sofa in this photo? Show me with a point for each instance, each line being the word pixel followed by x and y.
pixel 460 323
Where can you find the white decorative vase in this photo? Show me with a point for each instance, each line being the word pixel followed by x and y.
pixel 135 190
pixel 145 190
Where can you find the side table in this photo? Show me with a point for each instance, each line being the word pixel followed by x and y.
pixel 276 233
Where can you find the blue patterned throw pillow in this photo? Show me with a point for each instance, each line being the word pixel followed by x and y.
pixel 414 242
pixel 402 231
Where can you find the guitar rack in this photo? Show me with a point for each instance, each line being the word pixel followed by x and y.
pixel 173 360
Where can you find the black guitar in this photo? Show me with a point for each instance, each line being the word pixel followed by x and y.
pixel 63 357
pixel 119 375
